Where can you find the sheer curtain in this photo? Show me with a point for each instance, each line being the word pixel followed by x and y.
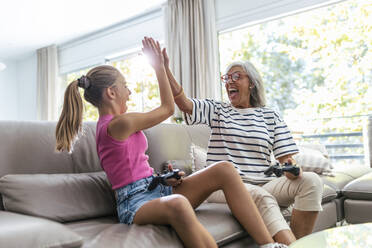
pixel 191 41
pixel 48 86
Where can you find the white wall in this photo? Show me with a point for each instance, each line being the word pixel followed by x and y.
pixel 94 49
pixel 234 13
pixel 26 78
pixel 9 93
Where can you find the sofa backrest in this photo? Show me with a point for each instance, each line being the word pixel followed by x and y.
pixel 29 147
pixel 173 141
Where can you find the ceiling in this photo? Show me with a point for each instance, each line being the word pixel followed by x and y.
pixel 26 25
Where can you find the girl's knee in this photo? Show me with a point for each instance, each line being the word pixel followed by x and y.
pixel 177 205
pixel 225 168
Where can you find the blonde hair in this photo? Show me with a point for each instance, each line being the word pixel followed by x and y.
pixel 70 122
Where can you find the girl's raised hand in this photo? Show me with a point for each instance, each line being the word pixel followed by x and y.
pixel 152 50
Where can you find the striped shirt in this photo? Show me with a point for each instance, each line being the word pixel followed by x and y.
pixel 245 137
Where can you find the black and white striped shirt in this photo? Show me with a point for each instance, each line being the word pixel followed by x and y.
pixel 245 137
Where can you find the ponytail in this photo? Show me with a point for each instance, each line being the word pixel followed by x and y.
pixel 70 121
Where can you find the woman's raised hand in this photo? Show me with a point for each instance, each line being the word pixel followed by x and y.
pixel 165 57
pixel 152 50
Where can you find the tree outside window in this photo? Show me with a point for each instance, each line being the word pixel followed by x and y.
pixel 315 65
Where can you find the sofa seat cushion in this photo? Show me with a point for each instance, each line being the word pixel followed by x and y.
pixel 90 228
pixel 107 232
pixel 19 230
pixel 337 181
pixel 60 197
pixel 329 194
pixel 360 188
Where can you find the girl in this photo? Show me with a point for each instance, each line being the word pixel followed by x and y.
pixel 126 164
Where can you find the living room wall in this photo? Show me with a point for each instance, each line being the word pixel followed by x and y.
pixel 94 48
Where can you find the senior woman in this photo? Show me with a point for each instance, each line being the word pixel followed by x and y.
pixel 245 133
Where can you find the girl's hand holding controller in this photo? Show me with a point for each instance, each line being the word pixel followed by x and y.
pixel 173 181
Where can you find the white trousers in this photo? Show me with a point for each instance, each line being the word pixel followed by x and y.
pixel 305 192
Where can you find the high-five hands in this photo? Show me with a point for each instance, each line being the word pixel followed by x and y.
pixel 152 50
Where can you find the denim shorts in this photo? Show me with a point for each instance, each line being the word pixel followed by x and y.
pixel 131 197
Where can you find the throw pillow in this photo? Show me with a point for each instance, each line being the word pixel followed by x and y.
pixel 313 160
pixel 319 147
pixel 60 197
pixel 18 230
pixel 199 157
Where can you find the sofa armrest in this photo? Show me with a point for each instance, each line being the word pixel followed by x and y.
pixel 18 230
pixel 360 188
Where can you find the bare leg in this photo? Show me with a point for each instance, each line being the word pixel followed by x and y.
pixel 285 237
pixel 175 210
pixel 302 222
pixel 223 175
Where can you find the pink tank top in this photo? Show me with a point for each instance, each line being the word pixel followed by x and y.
pixel 123 161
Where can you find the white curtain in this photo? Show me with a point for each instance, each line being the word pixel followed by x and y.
pixel 191 41
pixel 48 86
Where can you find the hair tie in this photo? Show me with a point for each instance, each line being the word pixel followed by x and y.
pixel 84 82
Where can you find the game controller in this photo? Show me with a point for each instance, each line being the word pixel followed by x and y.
pixel 162 179
pixel 279 169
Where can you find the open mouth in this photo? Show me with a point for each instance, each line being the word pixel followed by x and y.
pixel 233 93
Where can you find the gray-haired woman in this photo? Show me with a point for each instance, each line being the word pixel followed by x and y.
pixel 244 132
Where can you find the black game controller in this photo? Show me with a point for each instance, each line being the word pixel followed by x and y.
pixel 162 179
pixel 279 170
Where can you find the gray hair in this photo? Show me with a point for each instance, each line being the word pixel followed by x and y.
pixel 257 97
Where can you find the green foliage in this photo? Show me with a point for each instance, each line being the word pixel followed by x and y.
pixel 315 64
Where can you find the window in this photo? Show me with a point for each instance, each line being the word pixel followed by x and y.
pixel 141 81
pixel 317 70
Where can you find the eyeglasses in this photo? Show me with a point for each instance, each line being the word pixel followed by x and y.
pixel 233 76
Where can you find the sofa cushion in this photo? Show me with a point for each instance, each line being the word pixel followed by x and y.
pixel 60 197
pixel 198 157
pixel 167 142
pixel 353 171
pixel 337 181
pixel 329 193
pixel 311 159
pixel 216 218
pixel 25 146
pixel 316 146
pixel 357 211
pixel 84 155
pixel 360 188
pixel 19 230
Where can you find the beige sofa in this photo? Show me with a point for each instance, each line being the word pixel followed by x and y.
pixel 64 199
